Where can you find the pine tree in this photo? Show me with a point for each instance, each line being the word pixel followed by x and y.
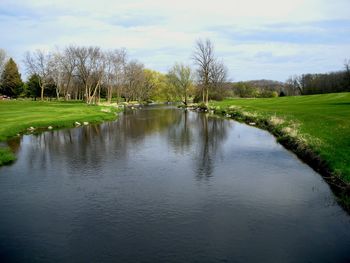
pixel 11 82
pixel 33 87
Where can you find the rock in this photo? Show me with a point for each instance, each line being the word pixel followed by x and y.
pixel 85 123
pixel 50 127
pixel 228 115
pixel 31 128
pixel 77 123
pixel 252 123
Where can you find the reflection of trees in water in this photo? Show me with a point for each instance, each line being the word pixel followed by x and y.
pixel 204 133
pixel 212 133
pixel 180 134
pixel 73 147
pixel 93 145
pixel 139 124
pixel 14 144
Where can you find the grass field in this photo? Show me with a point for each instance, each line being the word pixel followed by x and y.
pixel 17 116
pixel 319 122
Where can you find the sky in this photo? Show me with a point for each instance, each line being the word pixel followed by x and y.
pixel 256 39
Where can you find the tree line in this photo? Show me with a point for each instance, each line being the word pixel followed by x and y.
pixel 306 84
pixel 90 73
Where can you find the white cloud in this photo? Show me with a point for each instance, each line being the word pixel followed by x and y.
pixel 160 32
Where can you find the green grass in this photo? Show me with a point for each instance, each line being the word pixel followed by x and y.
pixel 6 156
pixel 320 122
pixel 17 116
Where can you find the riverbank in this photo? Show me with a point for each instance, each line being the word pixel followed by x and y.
pixel 21 117
pixel 315 127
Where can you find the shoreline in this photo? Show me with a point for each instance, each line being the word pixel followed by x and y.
pixel 304 152
pixel 103 113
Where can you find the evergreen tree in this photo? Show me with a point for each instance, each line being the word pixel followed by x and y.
pixel 11 82
pixel 33 87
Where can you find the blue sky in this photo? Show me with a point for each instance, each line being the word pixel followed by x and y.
pixel 269 39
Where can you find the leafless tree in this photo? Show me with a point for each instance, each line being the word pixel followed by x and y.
pixel 2 59
pixel 115 64
pixel 218 74
pixel 57 72
pixel 91 65
pixel 211 72
pixel 347 73
pixel 38 63
pixel 134 80
pixel 204 58
pixel 68 62
pixel 294 85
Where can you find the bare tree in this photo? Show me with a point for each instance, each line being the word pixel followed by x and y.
pixel 294 85
pixel 211 72
pixel 38 63
pixel 134 80
pixel 347 73
pixel 115 63
pixel 57 72
pixel 218 74
pixel 91 65
pixel 68 62
pixel 3 57
pixel 180 77
pixel 204 58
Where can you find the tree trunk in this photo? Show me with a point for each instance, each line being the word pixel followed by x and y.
pixel 42 92
pixel 207 96
pixel 58 93
pixel 94 93
pixel 110 94
pixel 203 96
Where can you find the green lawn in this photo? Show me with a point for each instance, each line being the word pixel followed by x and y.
pixel 321 121
pixel 17 116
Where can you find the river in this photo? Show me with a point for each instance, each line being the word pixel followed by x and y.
pixel 165 185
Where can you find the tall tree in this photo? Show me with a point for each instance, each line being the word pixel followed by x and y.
pixel 180 77
pixel 91 66
pixel 347 74
pixel 38 63
pixel 2 59
pixel 11 82
pixel 57 73
pixel 115 64
pixel 68 61
pixel 134 81
pixel 211 72
pixel 33 88
pixel 204 58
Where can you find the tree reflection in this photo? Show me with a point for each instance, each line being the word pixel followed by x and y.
pixel 190 133
pixel 212 133
pixel 181 133
pixel 14 144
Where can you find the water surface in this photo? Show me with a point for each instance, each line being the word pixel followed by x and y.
pixel 164 185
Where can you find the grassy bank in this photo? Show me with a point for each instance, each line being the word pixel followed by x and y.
pixel 315 127
pixel 17 116
pixel 6 156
